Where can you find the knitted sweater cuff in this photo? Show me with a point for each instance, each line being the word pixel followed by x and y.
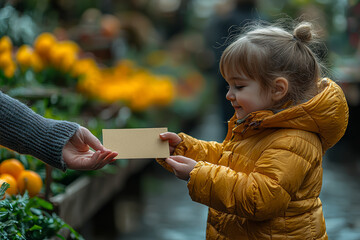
pixel 26 132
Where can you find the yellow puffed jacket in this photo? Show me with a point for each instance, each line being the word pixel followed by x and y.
pixel 264 180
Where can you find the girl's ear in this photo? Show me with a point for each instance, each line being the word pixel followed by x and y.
pixel 280 89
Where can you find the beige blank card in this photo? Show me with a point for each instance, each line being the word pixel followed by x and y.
pixel 136 142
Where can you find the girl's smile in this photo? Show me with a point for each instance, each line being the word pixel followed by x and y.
pixel 246 95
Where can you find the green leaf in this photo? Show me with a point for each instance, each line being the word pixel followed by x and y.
pixel 36 211
pixel 61 237
pixel 20 236
pixel 23 218
pixel 3 189
pixel 43 203
pixel 35 227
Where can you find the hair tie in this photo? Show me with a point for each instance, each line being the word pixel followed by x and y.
pixel 295 38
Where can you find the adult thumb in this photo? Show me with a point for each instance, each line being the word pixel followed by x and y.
pixel 91 140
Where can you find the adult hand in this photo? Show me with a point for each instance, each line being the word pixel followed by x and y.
pixel 173 139
pixel 78 156
pixel 181 165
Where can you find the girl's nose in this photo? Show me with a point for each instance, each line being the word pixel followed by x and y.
pixel 229 95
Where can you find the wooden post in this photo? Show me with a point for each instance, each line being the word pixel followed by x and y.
pixel 48 180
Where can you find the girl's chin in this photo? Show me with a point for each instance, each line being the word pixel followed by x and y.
pixel 240 115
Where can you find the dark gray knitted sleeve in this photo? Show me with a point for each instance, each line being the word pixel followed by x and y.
pixel 26 132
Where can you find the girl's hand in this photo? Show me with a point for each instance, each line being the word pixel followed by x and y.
pixel 173 139
pixel 182 166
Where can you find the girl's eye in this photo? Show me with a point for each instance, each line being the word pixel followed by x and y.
pixel 236 87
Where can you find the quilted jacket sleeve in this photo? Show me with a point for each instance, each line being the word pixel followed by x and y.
pixel 199 150
pixel 262 194
pixel 196 149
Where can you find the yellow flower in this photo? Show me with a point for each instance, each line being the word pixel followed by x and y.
pixel 24 56
pixel 84 66
pixel 109 93
pixel 89 84
pixel 63 55
pixel 36 62
pixel 5 59
pixel 5 44
pixel 124 68
pixel 164 91
pixel 9 71
pixel 72 46
pixel 68 61
pixel 43 44
pixel 136 87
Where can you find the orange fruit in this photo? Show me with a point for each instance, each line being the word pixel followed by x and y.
pixel 30 181
pixel 12 190
pixel 11 166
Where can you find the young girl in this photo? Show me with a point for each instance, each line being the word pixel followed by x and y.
pixel 263 181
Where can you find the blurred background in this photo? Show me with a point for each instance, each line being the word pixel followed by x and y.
pixel 154 63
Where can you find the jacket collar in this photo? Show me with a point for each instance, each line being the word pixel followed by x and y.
pixel 326 114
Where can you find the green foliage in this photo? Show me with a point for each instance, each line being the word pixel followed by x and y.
pixel 22 217
pixel 19 26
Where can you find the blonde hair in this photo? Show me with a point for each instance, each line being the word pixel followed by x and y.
pixel 265 53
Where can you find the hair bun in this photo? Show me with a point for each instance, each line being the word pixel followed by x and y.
pixel 304 32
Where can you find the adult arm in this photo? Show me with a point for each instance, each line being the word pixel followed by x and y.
pixel 26 132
